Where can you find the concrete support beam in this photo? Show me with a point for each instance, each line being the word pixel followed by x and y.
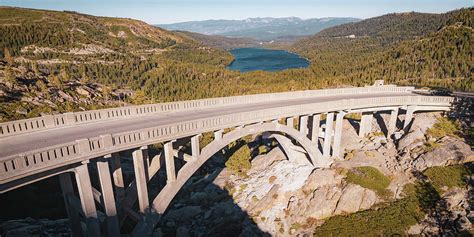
pixel 68 194
pixel 365 126
pixel 141 178
pixel 169 160
pixel 87 200
pixel 195 149
pixel 392 123
pixel 338 134
pixel 113 227
pixel 328 135
pixel 315 127
pixel 290 122
pixel 218 134
pixel 303 125
pixel 117 175
pixel 408 116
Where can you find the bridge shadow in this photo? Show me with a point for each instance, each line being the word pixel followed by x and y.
pixel 203 208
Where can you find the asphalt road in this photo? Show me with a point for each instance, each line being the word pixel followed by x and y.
pixel 26 142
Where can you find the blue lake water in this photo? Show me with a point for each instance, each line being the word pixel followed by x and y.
pixel 252 59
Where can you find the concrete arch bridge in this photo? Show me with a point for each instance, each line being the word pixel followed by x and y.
pixel 65 144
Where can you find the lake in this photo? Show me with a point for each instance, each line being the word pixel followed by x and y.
pixel 252 59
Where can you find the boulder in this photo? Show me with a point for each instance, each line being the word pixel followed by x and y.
pixel 451 151
pixel 355 198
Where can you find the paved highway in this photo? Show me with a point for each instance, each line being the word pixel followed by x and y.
pixel 31 141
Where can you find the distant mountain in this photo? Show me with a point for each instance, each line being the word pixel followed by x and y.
pixel 260 28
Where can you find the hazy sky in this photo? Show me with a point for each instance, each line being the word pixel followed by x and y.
pixel 169 11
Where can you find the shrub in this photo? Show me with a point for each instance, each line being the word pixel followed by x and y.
pixel 272 179
pixel 450 176
pixel 371 178
pixel 239 162
pixel 443 127
pixel 388 220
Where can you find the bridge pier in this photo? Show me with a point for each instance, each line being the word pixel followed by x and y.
pixel 290 122
pixel 87 199
pixel 69 199
pixel 328 135
pixel 365 126
pixel 141 170
pixel 218 134
pixel 408 116
pixel 315 121
pixel 303 125
pixel 169 160
pixel 113 227
pixel 392 123
pixel 195 149
pixel 338 134
pixel 117 175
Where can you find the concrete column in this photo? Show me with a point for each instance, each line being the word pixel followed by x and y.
pixel 315 127
pixel 392 123
pixel 117 175
pixel 218 134
pixel 195 149
pixel 290 122
pixel 365 124
pixel 409 116
pixel 68 193
pixel 303 125
pixel 328 135
pixel 87 200
pixel 113 227
pixel 336 149
pixel 169 159
pixel 139 166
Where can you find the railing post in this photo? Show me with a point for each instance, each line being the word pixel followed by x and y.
pixel 69 118
pixel 49 121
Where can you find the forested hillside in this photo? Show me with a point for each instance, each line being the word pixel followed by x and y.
pixel 411 48
pixel 154 65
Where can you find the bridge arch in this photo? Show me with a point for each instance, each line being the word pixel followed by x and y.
pixel 166 195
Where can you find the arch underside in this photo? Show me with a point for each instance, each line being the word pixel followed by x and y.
pixel 164 198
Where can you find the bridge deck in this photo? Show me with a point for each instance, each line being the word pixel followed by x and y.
pixel 31 141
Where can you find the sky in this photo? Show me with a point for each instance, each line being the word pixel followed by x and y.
pixel 171 11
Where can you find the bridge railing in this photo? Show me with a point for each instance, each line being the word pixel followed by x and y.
pixel 63 154
pixel 73 118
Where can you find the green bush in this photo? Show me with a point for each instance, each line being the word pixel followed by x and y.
pixel 371 178
pixel 239 161
pixel 443 127
pixel 388 220
pixel 450 176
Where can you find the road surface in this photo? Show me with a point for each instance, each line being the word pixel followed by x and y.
pixel 31 141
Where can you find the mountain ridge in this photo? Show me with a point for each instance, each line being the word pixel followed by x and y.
pixel 260 28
